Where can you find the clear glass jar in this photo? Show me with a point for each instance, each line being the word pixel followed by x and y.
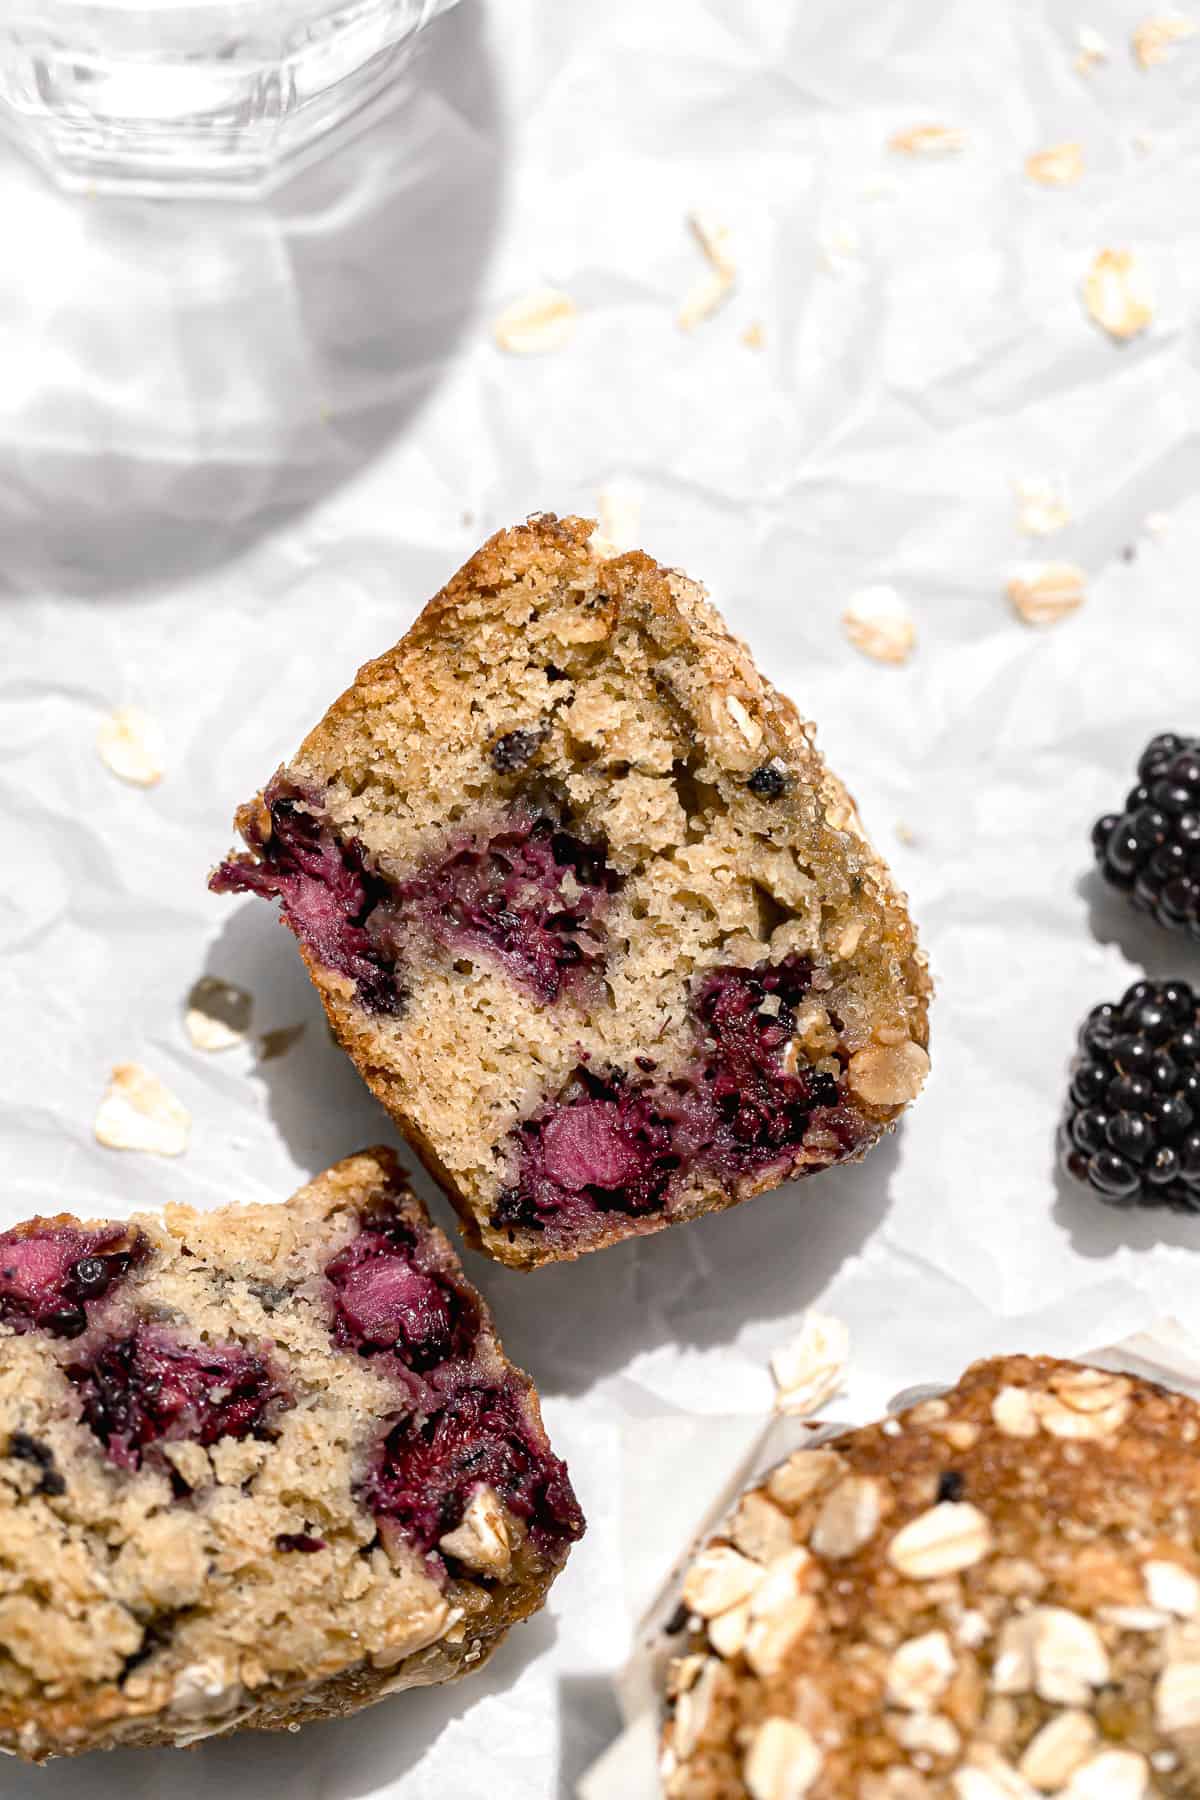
pixel 194 96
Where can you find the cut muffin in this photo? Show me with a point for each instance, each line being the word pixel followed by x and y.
pixel 587 909
pixel 257 1466
pixel 993 1596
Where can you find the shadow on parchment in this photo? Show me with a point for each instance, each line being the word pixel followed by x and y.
pixel 218 368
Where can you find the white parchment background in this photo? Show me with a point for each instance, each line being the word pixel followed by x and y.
pixel 238 449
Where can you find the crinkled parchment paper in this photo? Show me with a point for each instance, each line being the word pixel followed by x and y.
pixel 238 448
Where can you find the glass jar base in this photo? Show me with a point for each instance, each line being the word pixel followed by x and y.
pixel 202 125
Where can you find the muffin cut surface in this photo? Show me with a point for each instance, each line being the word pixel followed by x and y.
pixel 587 909
pixel 257 1466
pixel 993 1596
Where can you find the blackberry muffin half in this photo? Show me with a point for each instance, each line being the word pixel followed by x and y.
pixel 993 1596
pixel 586 907
pixel 257 1466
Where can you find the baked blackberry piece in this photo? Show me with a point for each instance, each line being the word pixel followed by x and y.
pixel 257 1466
pixel 587 909
pixel 994 1596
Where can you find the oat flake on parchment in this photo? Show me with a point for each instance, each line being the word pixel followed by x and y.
pixel 811 1369
pixel 754 337
pixel 137 1112
pixel 1048 593
pixel 1117 294
pixel 840 244
pixel 928 140
pixel 1093 50
pixel 713 288
pixel 880 624
pixel 1154 39
pixel 130 744
pixel 1041 507
pixel 1059 165
pixel 218 1014
pixel 619 517
pixel 543 319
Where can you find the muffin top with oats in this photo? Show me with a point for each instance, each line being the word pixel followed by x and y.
pixel 994 1595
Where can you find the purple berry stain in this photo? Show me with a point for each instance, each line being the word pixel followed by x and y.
pixel 425 1474
pixel 461 1428
pixel 327 896
pixel 145 1388
pixel 51 1273
pixel 387 1300
pixel 530 897
pixel 612 1142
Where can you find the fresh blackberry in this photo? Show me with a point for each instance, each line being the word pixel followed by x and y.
pixel 1131 1129
pixel 1151 851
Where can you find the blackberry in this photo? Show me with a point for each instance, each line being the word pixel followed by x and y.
pixel 1131 1129
pixel 1151 850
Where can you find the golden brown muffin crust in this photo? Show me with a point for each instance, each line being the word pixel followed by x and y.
pixel 993 1596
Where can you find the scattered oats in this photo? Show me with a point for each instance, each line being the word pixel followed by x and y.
pixel 482 1539
pixel 840 244
pixel 905 833
pixel 1093 50
pixel 990 1777
pixel 620 511
pixel 1153 39
pixel 713 288
pixel 927 1731
pixel 950 1536
pixel 694 1708
pixel 880 187
pixel 218 1014
pixel 750 729
pixel 1177 1697
pixel 1134 1618
pixel 928 140
pixel 1053 1653
pixel 848 1519
pixel 1172 1588
pixel 770 1640
pixel 1113 1775
pixel 973 1629
pixel 811 1369
pixel 130 744
pixel 1059 165
pixel 1086 1403
pixel 719 1578
pixel 727 1632
pixel 1041 507
pixel 920 1671
pixel 1117 294
pixel 1014 1412
pixel 782 1762
pixel 278 1042
pixel 880 624
pixel 804 1472
pixel 760 1529
pixel 888 1074
pixel 1143 142
pixel 1157 523
pixel 138 1113
pixel 1047 593
pixel 1059 1748
pixel 754 337
pixel 541 320
pixel 682 1672
pixel 782 1582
